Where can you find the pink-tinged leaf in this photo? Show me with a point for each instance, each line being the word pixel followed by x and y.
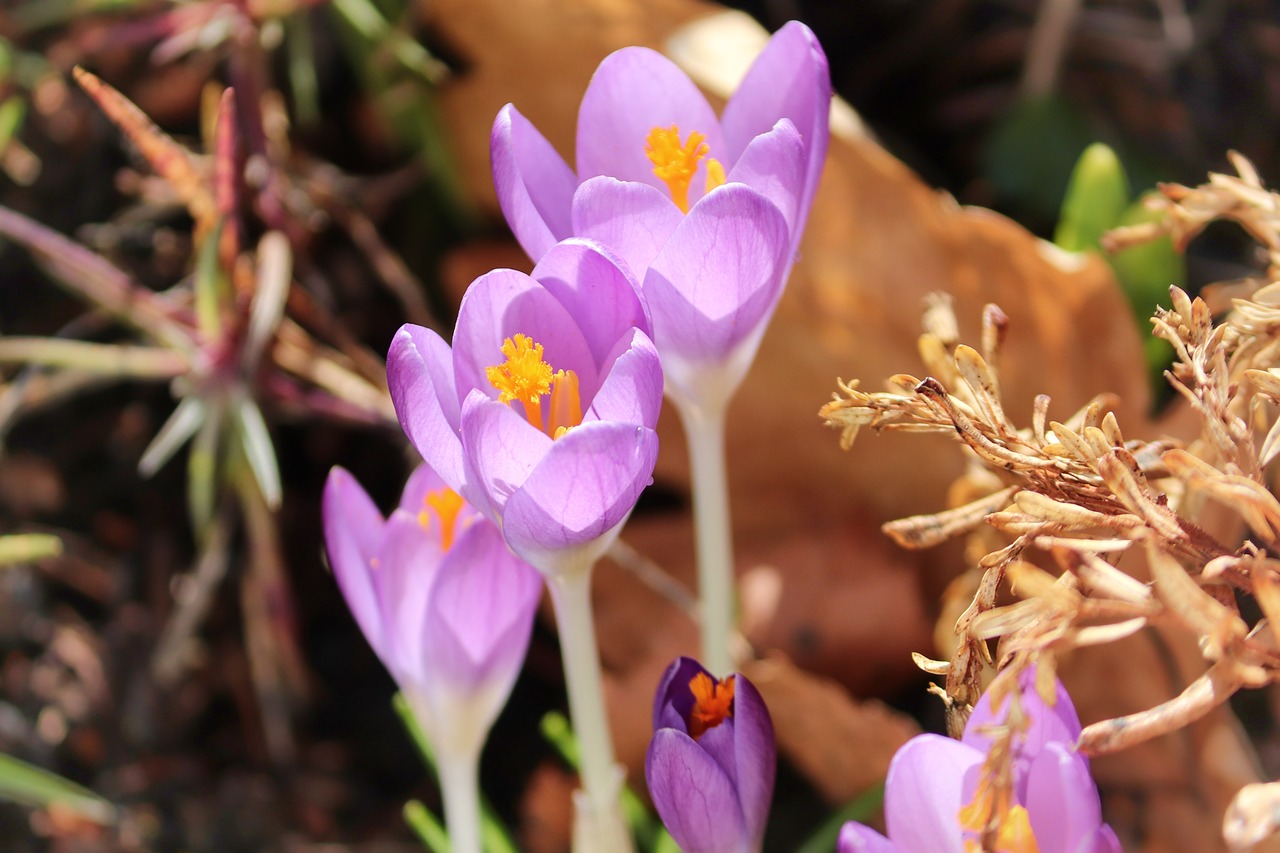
pixel 226 176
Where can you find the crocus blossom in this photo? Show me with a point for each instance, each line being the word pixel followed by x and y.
pixel 707 212
pixel 936 800
pixel 446 606
pixel 710 766
pixel 542 413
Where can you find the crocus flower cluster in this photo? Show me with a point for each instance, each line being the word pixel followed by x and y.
pixel 710 766
pixel 542 413
pixel 707 212
pixel 445 605
pixel 936 799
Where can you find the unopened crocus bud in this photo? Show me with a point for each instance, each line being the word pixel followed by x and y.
pixel 711 763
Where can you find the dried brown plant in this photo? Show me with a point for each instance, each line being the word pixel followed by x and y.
pixel 1142 532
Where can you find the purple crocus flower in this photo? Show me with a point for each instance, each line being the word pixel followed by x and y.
pixel 446 606
pixel 710 765
pixel 936 799
pixel 708 212
pixel 542 413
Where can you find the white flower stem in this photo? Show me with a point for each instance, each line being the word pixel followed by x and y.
pixel 599 826
pixel 704 432
pixel 460 789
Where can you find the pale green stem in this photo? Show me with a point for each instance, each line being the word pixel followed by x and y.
pixel 599 826
pixel 460 788
pixel 704 432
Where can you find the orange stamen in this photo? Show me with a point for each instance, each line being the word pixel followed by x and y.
pixel 526 377
pixel 447 504
pixel 994 809
pixel 712 703
pixel 675 164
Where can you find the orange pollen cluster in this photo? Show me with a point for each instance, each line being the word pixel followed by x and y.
pixel 525 377
pixel 1012 824
pixel 675 164
pixel 446 503
pixel 712 703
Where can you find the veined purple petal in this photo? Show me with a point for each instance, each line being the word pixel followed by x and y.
pixel 534 184
pixel 501 304
pixel 774 166
pixel 632 388
pixel 632 218
pixel 633 91
pixel 673 701
pixel 856 838
pixel 408 563
pixel 481 613
pixel 584 486
pixel 923 793
pixel 693 796
pixel 719 276
pixel 789 79
pixel 1047 724
pixel 420 377
pixel 352 531
pixel 503 449
pixel 590 281
pixel 1062 801
pixel 756 755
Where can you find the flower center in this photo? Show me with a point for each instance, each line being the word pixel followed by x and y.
pixel 525 377
pixel 446 503
pixel 712 703
pixel 675 164
pixel 994 809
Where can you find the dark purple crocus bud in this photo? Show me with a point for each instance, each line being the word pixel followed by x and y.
pixel 711 762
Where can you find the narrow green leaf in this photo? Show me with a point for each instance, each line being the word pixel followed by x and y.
pixel 860 809
pixel 1097 195
pixel 260 453
pixel 187 417
pixel 419 737
pixel 427 827
pixel 275 273
pixel 302 69
pixel 28 547
pixel 666 844
pixel 202 471
pixel 555 728
pixel 12 111
pixel 211 285
pixel 115 360
pixel 25 783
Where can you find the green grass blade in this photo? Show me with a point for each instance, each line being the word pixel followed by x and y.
pixel 28 547
pixel 25 783
pixel 1097 195
pixel 427 827
pixel 860 809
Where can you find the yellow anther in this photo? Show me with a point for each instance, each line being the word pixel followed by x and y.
pixel 715 174
pixel 675 164
pixel 525 377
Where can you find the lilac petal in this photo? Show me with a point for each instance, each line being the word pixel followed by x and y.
pixel 632 218
pixel 755 755
pixel 632 389
pixel 856 838
pixel 501 304
pixel 1103 841
pixel 481 613
pixel 633 91
pixel 719 276
pixel 534 184
pixel 923 796
pixel 587 483
pixel 592 282
pixel 352 531
pixel 789 79
pixel 774 165
pixel 693 796
pixel 408 564
pixel 1062 800
pixel 1056 723
pixel 420 377
pixel 422 482
pixel 502 451
pixel 674 700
